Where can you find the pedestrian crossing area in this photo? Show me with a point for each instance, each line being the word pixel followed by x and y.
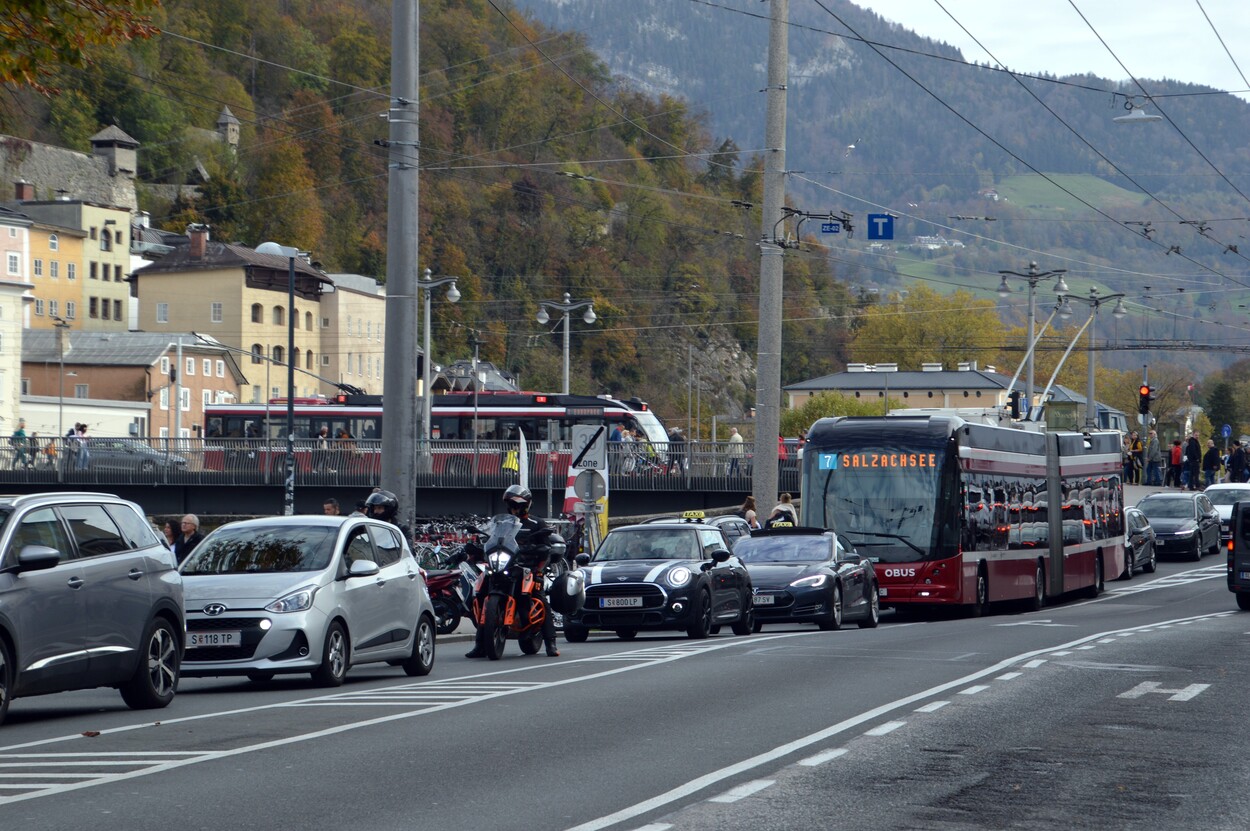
pixel 1183 579
pixel 34 774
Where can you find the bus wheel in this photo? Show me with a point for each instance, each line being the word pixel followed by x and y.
pixel 1096 589
pixel 1243 601
pixel 1038 600
pixel 982 602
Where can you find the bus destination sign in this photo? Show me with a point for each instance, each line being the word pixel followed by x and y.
pixel 839 461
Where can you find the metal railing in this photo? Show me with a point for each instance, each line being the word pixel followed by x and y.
pixel 451 463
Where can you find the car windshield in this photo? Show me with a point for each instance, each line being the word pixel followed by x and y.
pixel 1168 508
pixel 263 549
pixel 785 549
pixel 650 544
pixel 1228 496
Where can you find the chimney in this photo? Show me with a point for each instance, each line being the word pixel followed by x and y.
pixel 24 190
pixel 931 367
pixel 198 234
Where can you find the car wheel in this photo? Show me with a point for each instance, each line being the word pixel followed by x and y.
pixel 745 625
pixel 1096 589
pixel 1196 554
pixel 147 466
pixel 260 677
pixel 1214 550
pixel 759 625
pixel 155 679
pixel 1129 558
pixel 981 603
pixel 1038 600
pixel 6 677
pixel 700 617
pixel 334 657
pixel 575 634
pixel 874 611
pixel 494 630
pixel 421 661
pixel 626 634
pixel 1243 603
pixel 834 621
pixel 1152 562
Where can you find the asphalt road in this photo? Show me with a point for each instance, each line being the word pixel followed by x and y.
pixel 1121 712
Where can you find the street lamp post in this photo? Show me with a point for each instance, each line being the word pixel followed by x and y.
pixel 453 295
pixel 1093 301
pixel 273 248
pixel 567 306
pixel 61 327
pixel 1033 276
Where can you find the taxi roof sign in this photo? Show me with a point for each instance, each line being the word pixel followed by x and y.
pixel 691 515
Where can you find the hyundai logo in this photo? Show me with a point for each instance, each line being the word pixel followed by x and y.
pixel 214 609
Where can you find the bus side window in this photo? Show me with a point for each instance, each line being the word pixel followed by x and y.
pixel 1244 513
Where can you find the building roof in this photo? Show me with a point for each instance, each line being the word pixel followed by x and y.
pixel 964 379
pixel 226 117
pixel 224 255
pixel 357 282
pixel 11 216
pixel 114 348
pixel 113 134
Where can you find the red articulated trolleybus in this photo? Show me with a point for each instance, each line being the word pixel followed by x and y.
pixel 956 513
pixel 458 422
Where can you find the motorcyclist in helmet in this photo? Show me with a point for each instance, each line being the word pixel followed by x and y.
pixel 536 550
pixel 384 505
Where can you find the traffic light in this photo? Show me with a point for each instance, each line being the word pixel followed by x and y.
pixel 1145 394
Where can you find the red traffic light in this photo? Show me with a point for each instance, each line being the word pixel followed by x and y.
pixel 1143 390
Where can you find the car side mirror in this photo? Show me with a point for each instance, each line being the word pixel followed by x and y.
pixel 720 555
pixel 37 558
pixel 582 559
pixel 362 568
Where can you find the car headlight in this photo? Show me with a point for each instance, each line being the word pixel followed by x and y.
pixel 813 582
pixel 679 577
pixel 1186 532
pixel 498 560
pixel 297 601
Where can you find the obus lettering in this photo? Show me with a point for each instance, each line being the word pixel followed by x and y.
pixel 899 572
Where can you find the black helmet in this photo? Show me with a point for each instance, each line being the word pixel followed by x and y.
pixel 388 503
pixel 567 593
pixel 518 496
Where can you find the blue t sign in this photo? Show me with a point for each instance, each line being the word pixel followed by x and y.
pixel 880 226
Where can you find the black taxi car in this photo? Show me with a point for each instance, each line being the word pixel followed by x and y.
pixel 809 575
pixel 675 574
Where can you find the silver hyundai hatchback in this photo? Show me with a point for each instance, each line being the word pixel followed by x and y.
pixel 305 594
pixel 89 597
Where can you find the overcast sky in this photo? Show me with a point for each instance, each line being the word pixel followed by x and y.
pixel 1154 38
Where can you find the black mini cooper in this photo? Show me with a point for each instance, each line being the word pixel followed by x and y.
pixel 677 574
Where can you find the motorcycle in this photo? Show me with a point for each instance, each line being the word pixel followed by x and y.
pixel 450 590
pixel 508 599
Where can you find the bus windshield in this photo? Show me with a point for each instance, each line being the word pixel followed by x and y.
pixel 885 499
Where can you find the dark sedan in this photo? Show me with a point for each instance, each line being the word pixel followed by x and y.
pixel 130 455
pixel 808 575
pixel 1139 544
pixel 1185 523
pixel 677 574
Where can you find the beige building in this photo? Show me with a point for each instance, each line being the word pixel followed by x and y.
pixel 240 298
pixel 352 338
pixel 129 367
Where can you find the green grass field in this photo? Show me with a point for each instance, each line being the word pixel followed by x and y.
pixel 1032 191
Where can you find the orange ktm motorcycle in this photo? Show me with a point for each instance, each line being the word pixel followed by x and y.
pixel 508 600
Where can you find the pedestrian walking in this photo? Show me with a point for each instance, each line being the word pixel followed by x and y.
pixel 189 537
pixel 736 451
pixel 1154 460
pixel 20 446
pixel 1175 465
pixel 1211 464
pixel 1193 461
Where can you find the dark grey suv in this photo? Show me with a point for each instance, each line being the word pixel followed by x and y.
pixel 90 596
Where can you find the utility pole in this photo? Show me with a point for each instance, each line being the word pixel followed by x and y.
pixel 768 362
pixel 399 402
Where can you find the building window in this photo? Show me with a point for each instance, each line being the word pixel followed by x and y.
pixel 216 312
pixel 54 269
pixel 117 310
pixel 206 397
pixel 93 307
pixel 258 313
pixel 369 330
pixel 185 400
pixel 221 369
pixel 360 365
pixel 162 312
pixel 38 268
pixel 308 321
pixel 71 271
pixel 94 231
pixel 54 243
pixel 117 273
pixel 295 355
pixel 258 354
pixel 38 307
pixel 106 241
pixel 325 360
pixel 104 309
pixel 15 263
pixel 12 232
pixel 295 319
pixel 278 354
pixel 349 324
pixel 208 367
pixel 164 398
pixel 54 308
pixel 325 323
pixel 190 367
pixel 308 359
pixel 165 365
pixel 256 394
pixel 279 316
pixel 25 386
pixel 119 237
pixel 349 363
pixel 92 268
pixel 71 309
pixel 80 391
pixel 165 431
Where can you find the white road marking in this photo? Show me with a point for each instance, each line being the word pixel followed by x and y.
pixel 743 791
pixel 1061 654
pixel 655 826
pixel 768 757
pixel 974 690
pixel 1007 676
pixel 1035 664
pixel 821 758
pixel 882 729
pixel 932 707
pixel 1183 694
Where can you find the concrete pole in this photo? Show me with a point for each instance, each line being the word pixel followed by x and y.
pixel 1028 388
pixel 399 410
pixel 768 371
pixel 1091 408
pixel 565 376
pixel 288 490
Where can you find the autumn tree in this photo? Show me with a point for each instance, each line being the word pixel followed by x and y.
pixel 925 326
